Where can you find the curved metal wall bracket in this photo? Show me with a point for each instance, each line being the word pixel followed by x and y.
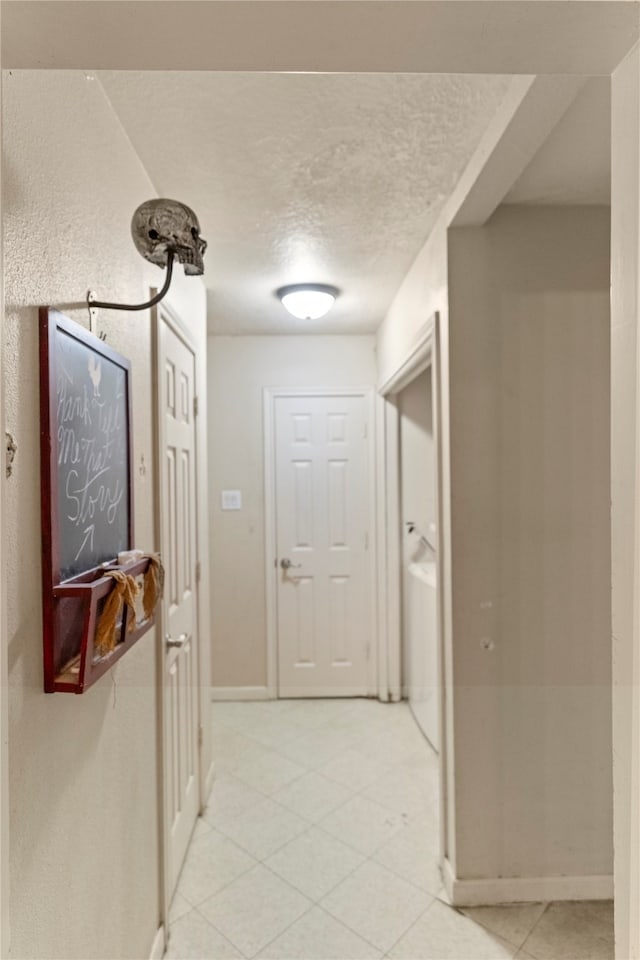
pixel 93 304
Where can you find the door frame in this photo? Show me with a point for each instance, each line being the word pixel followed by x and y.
pixel 270 395
pixel 4 668
pixel 165 313
pixel 425 352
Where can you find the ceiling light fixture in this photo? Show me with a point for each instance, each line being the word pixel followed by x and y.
pixel 307 301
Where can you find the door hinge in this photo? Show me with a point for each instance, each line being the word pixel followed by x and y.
pixel 198 571
pixel 366 541
pixel 196 407
pixel 200 736
pixel 368 651
pixel 365 433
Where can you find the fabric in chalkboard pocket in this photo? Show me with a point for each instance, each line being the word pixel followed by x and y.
pixel 153 584
pixel 124 592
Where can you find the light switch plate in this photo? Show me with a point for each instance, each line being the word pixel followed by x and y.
pixel 231 500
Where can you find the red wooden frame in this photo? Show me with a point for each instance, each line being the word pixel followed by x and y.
pixel 71 607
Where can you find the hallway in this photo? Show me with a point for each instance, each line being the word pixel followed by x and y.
pixel 320 842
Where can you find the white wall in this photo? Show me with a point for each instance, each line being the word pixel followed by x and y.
pixel 83 771
pixel 239 369
pixel 529 406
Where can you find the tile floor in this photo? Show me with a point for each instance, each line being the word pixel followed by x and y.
pixel 320 842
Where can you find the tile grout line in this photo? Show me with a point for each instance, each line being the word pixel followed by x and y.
pixel 411 926
pixel 368 858
pixel 547 904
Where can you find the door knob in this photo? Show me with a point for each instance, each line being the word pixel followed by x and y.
pixel 286 564
pixel 177 641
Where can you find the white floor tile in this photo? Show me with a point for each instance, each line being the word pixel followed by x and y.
pixel 264 828
pixel 228 759
pixel 399 791
pixel 201 828
pixel 193 938
pixel 354 769
pixel 314 863
pixel 442 933
pixel 316 748
pixel 212 862
pixel 312 796
pixel 573 931
pixel 318 936
pixel 513 921
pixel 179 907
pixel 229 798
pixel 227 740
pixel 275 731
pixel 392 747
pixel 254 910
pixel 414 855
pixel 362 824
pixel 269 772
pixel 312 787
pixel 376 904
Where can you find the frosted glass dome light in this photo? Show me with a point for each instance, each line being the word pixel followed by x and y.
pixel 307 301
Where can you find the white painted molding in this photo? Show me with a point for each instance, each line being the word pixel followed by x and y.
pixel 158 946
pixel 219 694
pixel 495 890
pixel 381 541
pixel 394 549
pixel 4 667
pixel 268 400
pixel 417 359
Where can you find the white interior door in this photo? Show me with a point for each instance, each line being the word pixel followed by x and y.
pixel 176 366
pixel 322 535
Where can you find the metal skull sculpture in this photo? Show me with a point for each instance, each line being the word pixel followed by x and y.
pixel 160 226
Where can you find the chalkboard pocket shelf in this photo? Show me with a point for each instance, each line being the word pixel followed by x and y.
pixel 73 664
pixel 87 499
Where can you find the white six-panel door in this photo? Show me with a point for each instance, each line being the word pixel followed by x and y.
pixel 176 365
pixel 322 536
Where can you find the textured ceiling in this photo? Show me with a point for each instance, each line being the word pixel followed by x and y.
pixel 333 178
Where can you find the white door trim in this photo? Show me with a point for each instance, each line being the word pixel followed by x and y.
pixel 425 351
pixel 4 676
pixel 165 314
pixel 270 395
pixel 416 359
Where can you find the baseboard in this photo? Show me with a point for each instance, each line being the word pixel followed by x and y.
pixel 240 693
pixel 481 893
pixel 157 949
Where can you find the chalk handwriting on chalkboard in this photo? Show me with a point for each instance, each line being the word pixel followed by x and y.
pixel 93 467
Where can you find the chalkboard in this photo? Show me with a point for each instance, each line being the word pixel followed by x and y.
pixel 85 415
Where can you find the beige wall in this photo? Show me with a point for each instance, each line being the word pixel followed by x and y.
pixel 83 774
pixel 239 369
pixel 625 251
pixel 529 375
